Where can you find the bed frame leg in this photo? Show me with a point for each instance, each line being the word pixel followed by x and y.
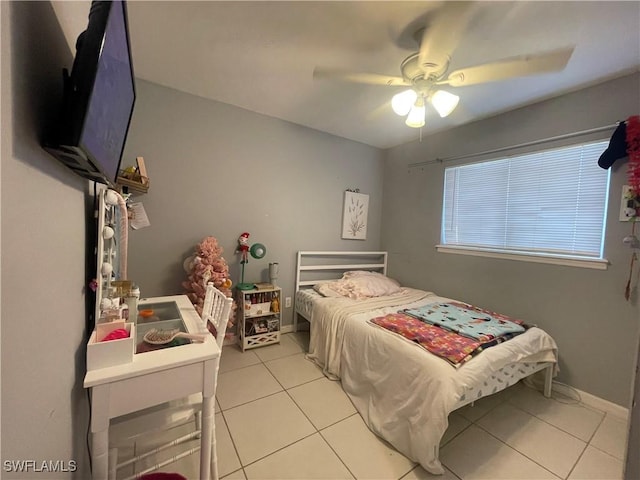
pixel 548 380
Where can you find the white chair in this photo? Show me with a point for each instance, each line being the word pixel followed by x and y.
pixel 216 310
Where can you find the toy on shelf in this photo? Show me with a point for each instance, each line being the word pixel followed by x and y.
pixel 243 247
pixel 134 179
pixel 275 303
pixel 257 251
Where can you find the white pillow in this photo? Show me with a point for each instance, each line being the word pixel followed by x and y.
pixel 325 289
pixel 360 273
pixel 359 285
pixel 376 285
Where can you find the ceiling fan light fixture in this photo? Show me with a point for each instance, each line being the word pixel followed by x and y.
pixel 444 102
pixel 403 101
pixel 415 119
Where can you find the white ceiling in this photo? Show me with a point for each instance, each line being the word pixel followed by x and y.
pixel 260 55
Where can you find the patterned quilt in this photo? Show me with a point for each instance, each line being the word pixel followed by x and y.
pixel 468 320
pixel 450 346
pixel 439 327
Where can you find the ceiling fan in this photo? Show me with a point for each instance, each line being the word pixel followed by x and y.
pixel 427 70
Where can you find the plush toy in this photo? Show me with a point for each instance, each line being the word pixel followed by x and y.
pixel 243 247
pixel 207 265
pixel 275 303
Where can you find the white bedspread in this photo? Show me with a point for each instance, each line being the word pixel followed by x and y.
pixel 404 393
pixel 329 318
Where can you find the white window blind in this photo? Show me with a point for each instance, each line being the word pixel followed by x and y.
pixel 550 203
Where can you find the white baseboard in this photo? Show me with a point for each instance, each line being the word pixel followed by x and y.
pixel 585 398
pixel 286 329
pixel 604 405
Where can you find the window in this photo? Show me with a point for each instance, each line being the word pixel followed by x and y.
pixel 548 204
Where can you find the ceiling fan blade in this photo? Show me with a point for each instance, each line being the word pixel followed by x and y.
pixel 521 66
pixel 359 77
pixel 439 40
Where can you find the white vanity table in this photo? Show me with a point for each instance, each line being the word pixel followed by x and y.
pixel 153 374
pixel 155 377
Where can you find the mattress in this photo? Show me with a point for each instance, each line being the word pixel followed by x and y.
pixel 403 392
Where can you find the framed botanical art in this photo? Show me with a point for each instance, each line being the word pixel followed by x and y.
pixel 354 216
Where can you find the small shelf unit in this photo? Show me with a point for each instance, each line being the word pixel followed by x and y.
pixel 260 317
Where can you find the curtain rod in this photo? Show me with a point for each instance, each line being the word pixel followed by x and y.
pixel 512 147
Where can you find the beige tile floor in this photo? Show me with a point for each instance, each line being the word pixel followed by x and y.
pixel 278 417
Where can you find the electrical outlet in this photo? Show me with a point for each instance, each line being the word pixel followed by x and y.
pixel 287 302
pixel 629 206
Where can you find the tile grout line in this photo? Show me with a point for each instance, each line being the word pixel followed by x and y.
pixel 318 431
pixel 518 451
pixel 233 443
pixel 275 451
pixel 606 453
pixel 588 442
pixel 334 451
pixel 356 413
pixel 263 362
pixel 577 461
pixel 508 400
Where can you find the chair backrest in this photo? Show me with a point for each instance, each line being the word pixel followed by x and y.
pixel 216 309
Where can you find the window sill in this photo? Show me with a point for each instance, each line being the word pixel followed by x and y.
pixel 558 260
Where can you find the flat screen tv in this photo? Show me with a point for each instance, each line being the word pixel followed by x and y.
pixel 98 97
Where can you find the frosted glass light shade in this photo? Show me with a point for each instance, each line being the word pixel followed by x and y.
pixel 444 102
pixel 415 118
pixel 403 101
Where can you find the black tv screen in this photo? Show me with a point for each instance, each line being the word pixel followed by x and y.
pixel 98 97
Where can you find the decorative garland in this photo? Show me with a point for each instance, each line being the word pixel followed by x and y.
pixel 633 177
pixel 633 150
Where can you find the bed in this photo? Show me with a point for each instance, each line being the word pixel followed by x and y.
pixel 403 392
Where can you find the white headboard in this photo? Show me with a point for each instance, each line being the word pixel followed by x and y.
pixel 313 267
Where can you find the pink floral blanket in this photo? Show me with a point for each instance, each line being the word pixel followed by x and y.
pixel 452 347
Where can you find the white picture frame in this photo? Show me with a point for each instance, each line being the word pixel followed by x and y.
pixel 355 216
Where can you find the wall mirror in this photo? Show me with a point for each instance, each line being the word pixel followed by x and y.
pixel 111 255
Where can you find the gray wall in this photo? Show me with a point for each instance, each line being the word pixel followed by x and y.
pixel 44 407
pixel 583 309
pixel 220 170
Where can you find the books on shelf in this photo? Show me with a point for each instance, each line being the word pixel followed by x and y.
pixel 263 286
